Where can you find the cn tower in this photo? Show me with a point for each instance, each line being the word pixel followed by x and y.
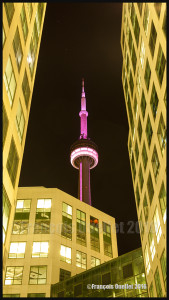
pixel 84 154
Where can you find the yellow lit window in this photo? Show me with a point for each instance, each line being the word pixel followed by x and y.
pixel 65 254
pixel 147 260
pixel 44 203
pixel 17 250
pixel 142 53
pixel 157 225
pixel 10 82
pixel 40 249
pixel 151 243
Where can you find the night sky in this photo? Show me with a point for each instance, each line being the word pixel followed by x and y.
pixel 82 40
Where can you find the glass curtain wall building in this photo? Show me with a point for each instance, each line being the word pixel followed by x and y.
pixel 22 32
pixel 143 44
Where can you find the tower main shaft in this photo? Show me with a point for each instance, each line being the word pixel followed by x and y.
pixel 84 154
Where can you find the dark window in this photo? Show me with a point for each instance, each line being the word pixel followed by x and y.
pixel 9 8
pixel 78 290
pixel 143 104
pixel 137 31
pixel 139 129
pixel 107 239
pixel 61 294
pixel 26 89
pixel 36 295
pixel 140 6
pixel 163 267
pixel 24 23
pixel 94 234
pixel 155 163
pixel 154 101
pixel 164 24
pixel 6 213
pixel 157 8
pixel 13 275
pixel 130 115
pixel 5 124
pixel 146 18
pixel 133 167
pixel 127 271
pixel 38 275
pixel 30 10
pixel 149 131
pixel 137 196
pixel 160 65
pixel 64 274
pixel 43 215
pixel 17 49
pixel 144 156
pixel 162 134
pixel 162 200
pixel 136 151
pixel 141 179
pixel 106 278
pixel 11 295
pixel 131 83
pixel 135 106
pixel 150 188
pixel 66 221
pixel 158 283
pixel 152 40
pixel 147 75
pixel 81 227
pixel 12 162
pixel 145 208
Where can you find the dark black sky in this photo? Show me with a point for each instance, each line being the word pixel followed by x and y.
pixel 82 39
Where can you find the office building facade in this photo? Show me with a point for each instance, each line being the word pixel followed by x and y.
pixel 143 44
pixel 54 236
pixel 22 32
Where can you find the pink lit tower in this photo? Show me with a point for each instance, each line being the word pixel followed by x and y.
pixel 84 154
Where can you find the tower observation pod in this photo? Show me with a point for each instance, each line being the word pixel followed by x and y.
pixel 84 154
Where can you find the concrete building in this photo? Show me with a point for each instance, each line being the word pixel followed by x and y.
pixel 54 236
pixel 22 32
pixel 143 44
pixel 125 276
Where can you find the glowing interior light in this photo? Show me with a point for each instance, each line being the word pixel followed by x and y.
pixel 47 203
pixel 29 59
pixel 19 204
pixel 62 251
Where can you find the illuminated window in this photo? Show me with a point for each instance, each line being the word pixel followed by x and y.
pixel 151 243
pixel 143 104
pixel 154 101
pixel 144 156
pixel 13 275
pixel 133 167
pixel 137 196
pixel 142 53
pixel 145 208
pixel 5 124
pixel 152 40
pixel 66 221
pixel 150 188
pixel 17 250
pixel 155 163
pixel 81 260
pixel 157 8
pixel 141 225
pixel 10 81
pixel 40 249
pixel 94 234
pixel 157 225
pixel 26 89
pixel 81 227
pixel 9 8
pixel 139 129
pixel 17 49
pixel 147 75
pixel 141 179
pixel 43 215
pixel 160 65
pixel 4 36
pixel 149 131
pixel 21 218
pixel 33 49
pixel 162 135
pixel 136 151
pixel 12 162
pixel 64 274
pixel 107 239
pixel 138 82
pixel 24 23
pixel 65 254
pixel 20 121
pixel 6 213
pixel 158 283
pixel 163 267
pixel 146 18
pixel 151 293
pixel 30 10
pixel 162 200
pixel 95 262
pixel 147 260
pixel 38 275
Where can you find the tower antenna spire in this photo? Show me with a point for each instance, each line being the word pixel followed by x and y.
pixel 84 154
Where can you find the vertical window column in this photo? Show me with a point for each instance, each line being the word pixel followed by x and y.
pixel 107 239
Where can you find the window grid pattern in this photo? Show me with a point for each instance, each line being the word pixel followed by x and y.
pixel 162 200
pixel 6 213
pixel 21 218
pixel 95 262
pixel 162 135
pixel 139 129
pixel 144 156
pixel 81 227
pixel 163 267
pixel 157 225
pixel 12 162
pixel 145 208
pixel 24 23
pixel 136 151
pixel 20 121
pixel 66 221
pixel 65 254
pixel 141 179
pixel 147 260
pixel 150 188
pixel 17 250
pixel 10 81
pixel 147 75
pixel 26 89
pixel 9 8
pixel 149 131
pixel 107 239
pixel 143 104
pixel 154 102
pixel 151 243
pixel 94 234
pixel 81 260
pixel 38 275
pixel 43 215
pixel 13 275
pixel 17 47
pixel 40 249
pixel 160 65
pixel 155 163
pixel 152 39
pixel 158 283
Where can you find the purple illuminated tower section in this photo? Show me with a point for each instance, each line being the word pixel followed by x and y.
pixel 84 154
